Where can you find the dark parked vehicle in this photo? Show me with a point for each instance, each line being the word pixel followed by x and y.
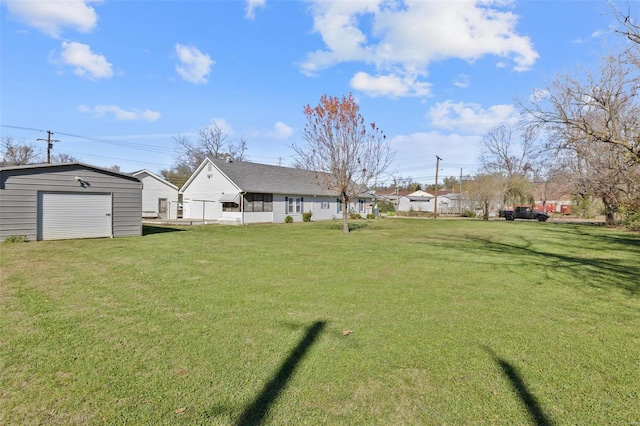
pixel 524 212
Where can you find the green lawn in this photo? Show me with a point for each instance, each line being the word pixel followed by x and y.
pixel 452 322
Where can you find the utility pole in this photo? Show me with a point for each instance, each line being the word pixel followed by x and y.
pixel 49 144
pixel 435 201
pixel 460 196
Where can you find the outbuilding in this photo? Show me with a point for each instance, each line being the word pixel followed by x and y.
pixel 72 200
pixel 159 196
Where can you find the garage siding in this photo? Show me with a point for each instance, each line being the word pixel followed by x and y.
pixel 19 189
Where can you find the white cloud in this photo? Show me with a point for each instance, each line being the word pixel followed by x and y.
pixel 337 23
pixel 280 131
pixel 85 62
pixel 462 80
pixel 120 114
pixel 224 126
pixel 252 5
pixel 389 85
pixel 406 37
pixel 470 118
pixel 51 16
pixel 194 65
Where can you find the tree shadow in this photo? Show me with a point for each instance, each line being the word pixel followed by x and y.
pixel 257 411
pixel 152 229
pixel 604 272
pixel 537 415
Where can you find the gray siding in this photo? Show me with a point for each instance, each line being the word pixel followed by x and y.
pixel 19 189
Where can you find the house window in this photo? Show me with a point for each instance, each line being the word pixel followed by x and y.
pixel 339 205
pixel 293 205
pixel 325 205
pixel 230 207
pixel 361 206
pixel 258 202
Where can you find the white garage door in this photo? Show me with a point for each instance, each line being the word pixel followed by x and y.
pixel 63 215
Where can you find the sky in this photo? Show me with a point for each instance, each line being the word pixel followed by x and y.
pixel 117 80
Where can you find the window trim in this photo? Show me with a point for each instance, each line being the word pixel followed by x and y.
pixel 293 205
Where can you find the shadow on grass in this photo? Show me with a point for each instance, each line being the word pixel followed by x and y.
pixel 605 272
pixel 256 413
pixel 538 417
pixel 151 229
pixel 619 238
pixel 354 225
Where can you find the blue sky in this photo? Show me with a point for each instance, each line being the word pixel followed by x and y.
pixel 115 80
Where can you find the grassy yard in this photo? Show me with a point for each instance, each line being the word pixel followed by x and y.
pixel 450 321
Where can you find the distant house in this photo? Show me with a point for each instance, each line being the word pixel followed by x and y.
pixel 159 196
pixel 73 200
pixel 418 201
pixel 240 192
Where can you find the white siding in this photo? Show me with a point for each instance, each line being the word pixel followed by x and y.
pixel 153 189
pixel 319 213
pixel 205 188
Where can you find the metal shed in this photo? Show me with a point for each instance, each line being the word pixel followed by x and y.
pixel 63 201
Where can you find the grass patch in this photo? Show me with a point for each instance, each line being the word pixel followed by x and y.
pixel 453 322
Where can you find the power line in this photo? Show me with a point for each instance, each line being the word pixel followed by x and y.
pixel 124 144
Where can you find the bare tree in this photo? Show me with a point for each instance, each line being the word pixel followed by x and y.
pixel 506 149
pixel 628 26
pixel 602 108
pixel 18 153
pixel 237 149
pixel 515 153
pixel 63 158
pixel 593 122
pixel 212 142
pixel 346 153
pixel 487 191
pixel 177 175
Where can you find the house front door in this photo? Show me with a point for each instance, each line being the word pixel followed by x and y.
pixel 162 208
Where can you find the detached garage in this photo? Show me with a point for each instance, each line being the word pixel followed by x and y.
pixel 62 201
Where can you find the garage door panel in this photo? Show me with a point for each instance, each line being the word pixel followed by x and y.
pixel 64 215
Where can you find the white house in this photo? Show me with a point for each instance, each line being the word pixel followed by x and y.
pixel 422 201
pixel 240 192
pixel 418 201
pixel 159 196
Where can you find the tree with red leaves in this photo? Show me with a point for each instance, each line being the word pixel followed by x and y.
pixel 346 153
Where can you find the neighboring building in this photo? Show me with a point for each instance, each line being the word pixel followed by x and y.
pixel 418 201
pixel 73 200
pixel 552 197
pixel 159 196
pixel 240 192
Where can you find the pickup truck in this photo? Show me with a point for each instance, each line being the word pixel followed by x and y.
pixel 524 212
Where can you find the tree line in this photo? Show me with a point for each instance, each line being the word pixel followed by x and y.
pixel 580 134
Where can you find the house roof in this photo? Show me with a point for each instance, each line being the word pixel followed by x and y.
pixel 153 175
pixel 46 166
pixel 265 178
